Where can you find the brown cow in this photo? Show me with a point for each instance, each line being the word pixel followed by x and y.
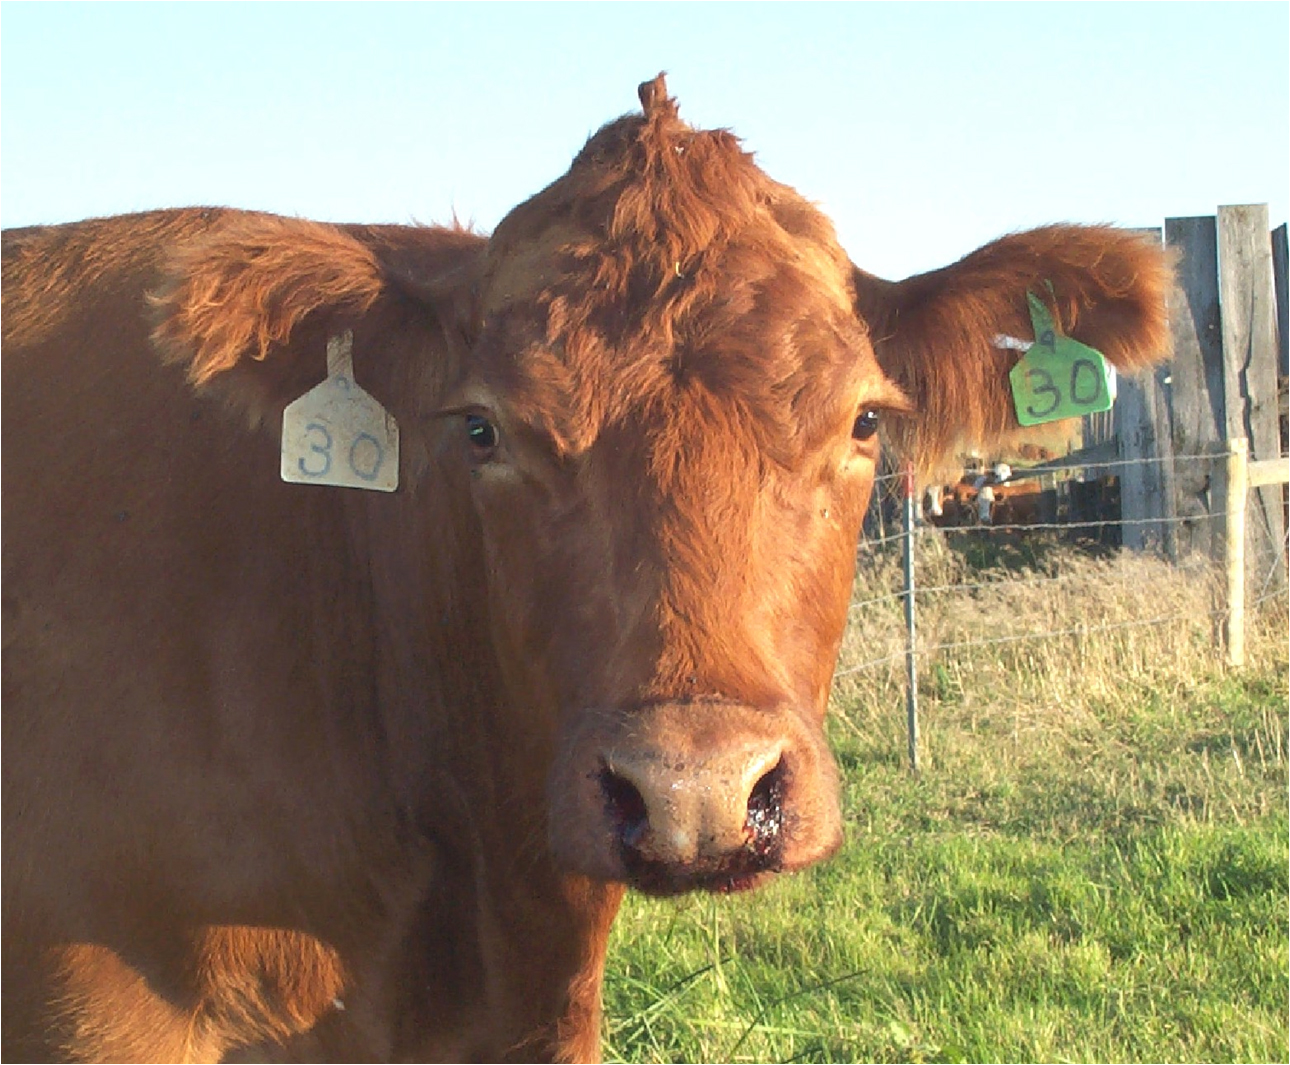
pixel 313 773
pixel 1024 502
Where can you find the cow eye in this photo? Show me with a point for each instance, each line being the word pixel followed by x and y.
pixel 865 426
pixel 482 435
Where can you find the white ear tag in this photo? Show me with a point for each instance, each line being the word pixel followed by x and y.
pixel 338 434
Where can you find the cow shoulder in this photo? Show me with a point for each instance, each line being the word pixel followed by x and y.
pixel 936 334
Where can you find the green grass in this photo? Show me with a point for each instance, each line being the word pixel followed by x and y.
pixel 1092 866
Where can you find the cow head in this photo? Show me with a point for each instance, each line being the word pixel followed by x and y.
pixel 660 384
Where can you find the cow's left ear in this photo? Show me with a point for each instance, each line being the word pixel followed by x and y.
pixel 247 307
pixel 938 334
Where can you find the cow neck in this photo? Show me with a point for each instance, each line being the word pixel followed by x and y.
pixel 456 742
pixel 464 770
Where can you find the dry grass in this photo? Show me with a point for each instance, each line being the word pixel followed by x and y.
pixel 1044 637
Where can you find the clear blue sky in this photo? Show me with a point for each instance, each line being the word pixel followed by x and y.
pixel 923 129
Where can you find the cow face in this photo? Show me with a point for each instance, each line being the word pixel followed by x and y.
pixel 670 417
pixel 659 383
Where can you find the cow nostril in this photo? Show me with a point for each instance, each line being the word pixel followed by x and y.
pixel 766 811
pixel 625 805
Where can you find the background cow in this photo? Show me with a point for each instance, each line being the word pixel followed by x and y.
pixel 308 772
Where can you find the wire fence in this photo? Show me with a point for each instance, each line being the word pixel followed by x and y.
pixel 1009 586
pixel 1055 526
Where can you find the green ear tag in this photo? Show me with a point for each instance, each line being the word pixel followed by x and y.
pixel 1058 377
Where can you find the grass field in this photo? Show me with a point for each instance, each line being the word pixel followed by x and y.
pixel 1091 867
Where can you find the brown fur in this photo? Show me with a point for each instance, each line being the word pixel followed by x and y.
pixel 305 773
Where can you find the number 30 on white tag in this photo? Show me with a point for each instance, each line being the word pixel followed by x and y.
pixel 338 434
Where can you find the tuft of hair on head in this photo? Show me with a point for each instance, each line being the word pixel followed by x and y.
pixel 655 101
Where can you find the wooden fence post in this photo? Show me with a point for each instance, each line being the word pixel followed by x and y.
pixel 1145 442
pixel 1199 420
pixel 1279 281
pixel 1250 360
pixel 1230 487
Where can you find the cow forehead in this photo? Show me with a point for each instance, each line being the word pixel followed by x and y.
pixel 647 203
pixel 663 259
pixel 535 252
pixel 763 339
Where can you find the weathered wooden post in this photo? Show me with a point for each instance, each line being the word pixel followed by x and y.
pixel 1196 380
pixel 1279 281
pixel 1248 301
pixel 1229 491
pixel 1234 477
pixel 1144 441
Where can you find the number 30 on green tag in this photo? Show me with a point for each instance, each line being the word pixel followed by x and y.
pixel 1058 377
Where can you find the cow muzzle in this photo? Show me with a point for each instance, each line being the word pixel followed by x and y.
pixel 678 796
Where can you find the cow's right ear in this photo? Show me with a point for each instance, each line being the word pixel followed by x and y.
pixel 247 308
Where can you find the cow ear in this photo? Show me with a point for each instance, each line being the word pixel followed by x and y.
pixel 937 335
pixel 247 308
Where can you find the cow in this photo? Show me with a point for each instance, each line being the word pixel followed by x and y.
pixel 307 772
pixel 1024 502
pixel 956 504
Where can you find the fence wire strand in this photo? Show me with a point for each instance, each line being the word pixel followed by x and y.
pixel 1080 630
pixel 974 586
